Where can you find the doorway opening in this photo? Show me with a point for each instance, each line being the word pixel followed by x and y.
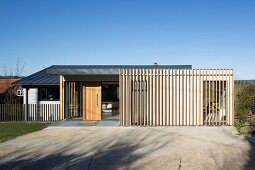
pixel 91 100
pixel 214 102
pixel 72 99
pixel 110 100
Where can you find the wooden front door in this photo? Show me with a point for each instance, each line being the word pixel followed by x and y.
pixel 91 102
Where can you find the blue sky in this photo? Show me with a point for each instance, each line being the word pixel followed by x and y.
pixel 203 33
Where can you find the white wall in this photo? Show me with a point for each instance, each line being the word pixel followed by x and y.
pixel 32 96
pixel 49 102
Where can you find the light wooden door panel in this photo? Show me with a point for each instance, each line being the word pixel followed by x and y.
pixel 92 103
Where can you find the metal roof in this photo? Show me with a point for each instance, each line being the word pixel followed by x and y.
pixel 105 69
pixel 40 78
pixel 50 75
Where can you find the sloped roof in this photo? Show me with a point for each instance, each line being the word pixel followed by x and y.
pixel 40 78
pixel 105 69
pixel 50 75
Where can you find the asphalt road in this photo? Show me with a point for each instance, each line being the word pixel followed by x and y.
pixel 129 148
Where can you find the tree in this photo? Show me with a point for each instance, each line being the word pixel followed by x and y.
pixel 10 76
pixel 243 104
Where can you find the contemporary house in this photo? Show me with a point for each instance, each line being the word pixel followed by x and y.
pixel 141 95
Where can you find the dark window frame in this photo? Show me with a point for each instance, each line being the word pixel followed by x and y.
pixel 49 91
pixel 112 97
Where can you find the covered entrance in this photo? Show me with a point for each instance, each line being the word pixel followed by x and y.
pixel 91 101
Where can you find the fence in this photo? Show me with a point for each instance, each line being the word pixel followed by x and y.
pixel 35 112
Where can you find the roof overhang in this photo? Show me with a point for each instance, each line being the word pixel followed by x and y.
pixel 105 69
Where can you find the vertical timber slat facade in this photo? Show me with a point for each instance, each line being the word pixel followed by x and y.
pixel 173 97
pixel 132 95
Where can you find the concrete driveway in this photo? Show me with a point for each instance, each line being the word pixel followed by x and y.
pixel 129 148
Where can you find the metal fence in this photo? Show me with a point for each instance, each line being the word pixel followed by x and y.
pixel 30 112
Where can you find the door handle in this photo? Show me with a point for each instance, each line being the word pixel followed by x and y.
pixel 97 100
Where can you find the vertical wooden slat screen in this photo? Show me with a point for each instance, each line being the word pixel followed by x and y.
pixel 166 97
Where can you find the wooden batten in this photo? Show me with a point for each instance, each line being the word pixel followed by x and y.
pixel 120 96
pixel 84 102
pixel 155 97
pixel 233 98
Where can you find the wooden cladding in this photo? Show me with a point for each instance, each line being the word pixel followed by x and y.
pixel 92 102
pixel 156 97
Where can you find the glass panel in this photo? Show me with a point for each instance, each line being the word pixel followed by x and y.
pixel 110 92
pixel 42 94
pixel 110 100
pixel 73 99
pixel 49 93
pixel 78 100
pixel 53 93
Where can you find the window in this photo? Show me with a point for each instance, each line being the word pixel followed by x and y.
pixel 110 92
pixel 20 93
pixel 48 93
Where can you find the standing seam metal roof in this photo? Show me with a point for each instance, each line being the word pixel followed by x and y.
pixel 105 69
pixel 120 67
pixel 50 75
pixel 40 78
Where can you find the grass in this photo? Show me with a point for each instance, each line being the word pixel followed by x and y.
pixel 10 130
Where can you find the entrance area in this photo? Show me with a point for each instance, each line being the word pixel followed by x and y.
pixel 91 101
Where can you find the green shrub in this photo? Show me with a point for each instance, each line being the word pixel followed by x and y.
pixel 243 104
pixel 243 101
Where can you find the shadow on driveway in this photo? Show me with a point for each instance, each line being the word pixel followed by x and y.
pixel 117 155
pixel 129 148
pixel 111 158
pixel 250 164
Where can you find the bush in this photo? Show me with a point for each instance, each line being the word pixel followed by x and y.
pixel 243 104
